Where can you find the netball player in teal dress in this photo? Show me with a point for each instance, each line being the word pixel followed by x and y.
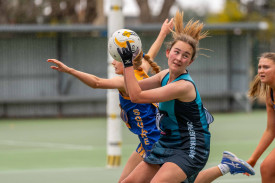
pixel 183 148
pixel 184 132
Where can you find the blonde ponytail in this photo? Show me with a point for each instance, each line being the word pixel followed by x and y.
pixel 191 33
pixel 137 62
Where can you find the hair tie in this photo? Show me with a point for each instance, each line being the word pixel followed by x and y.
pixel 143 55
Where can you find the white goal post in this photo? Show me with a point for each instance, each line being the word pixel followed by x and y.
pixel 114 134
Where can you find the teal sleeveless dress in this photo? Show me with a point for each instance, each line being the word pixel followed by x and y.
pixel 185 138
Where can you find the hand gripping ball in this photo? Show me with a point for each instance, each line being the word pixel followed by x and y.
pixel 118 40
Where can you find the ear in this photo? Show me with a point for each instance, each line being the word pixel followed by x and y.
pixel 191 61
pixel 167 52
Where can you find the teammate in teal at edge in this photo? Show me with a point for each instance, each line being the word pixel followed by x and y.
pixel 264 84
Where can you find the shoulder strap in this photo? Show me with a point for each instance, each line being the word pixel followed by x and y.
pixel 165 79
pixel 271 94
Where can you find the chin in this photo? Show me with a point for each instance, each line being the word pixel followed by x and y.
pixel 266 82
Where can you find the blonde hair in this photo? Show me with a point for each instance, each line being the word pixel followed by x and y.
pixel 257 88
pixel 138 61
pixel 191 33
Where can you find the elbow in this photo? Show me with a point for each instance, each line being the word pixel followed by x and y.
pixel 95 86
pixel 135 99
pixel 95 83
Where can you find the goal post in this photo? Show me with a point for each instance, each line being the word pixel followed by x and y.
pixel 114 133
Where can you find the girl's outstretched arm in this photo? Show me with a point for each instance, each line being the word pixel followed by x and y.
pixel 89 79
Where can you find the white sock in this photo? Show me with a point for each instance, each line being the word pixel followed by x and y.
pixel 224 168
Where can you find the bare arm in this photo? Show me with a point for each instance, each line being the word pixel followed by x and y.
pixel 177 90
pixel 166 28
pixel 153 81
pixel 268 135
pixel 89 79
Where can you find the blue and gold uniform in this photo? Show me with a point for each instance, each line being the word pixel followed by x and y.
pixel 141 120
pixel 185 138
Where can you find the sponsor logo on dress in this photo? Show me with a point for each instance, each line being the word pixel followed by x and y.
pixel 193 142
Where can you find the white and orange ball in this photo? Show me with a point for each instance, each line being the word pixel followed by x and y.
pixel 119 39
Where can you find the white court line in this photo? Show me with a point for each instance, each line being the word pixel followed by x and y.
pixel 46 145
pixel 54 170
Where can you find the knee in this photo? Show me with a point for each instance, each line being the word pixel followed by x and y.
pixel 266 169
pixel 127 180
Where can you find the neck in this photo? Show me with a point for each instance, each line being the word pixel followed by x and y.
pixel 174 75
pixel 272 86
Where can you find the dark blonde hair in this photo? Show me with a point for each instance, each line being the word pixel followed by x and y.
pixel 138 61
pixel 257 88
pixel 191 33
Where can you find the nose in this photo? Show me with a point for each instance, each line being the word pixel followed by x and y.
pixel 178 57
pixel 260 69
pixel 113 62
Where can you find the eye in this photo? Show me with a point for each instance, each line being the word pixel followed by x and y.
pixel 265 66
pixel 185 56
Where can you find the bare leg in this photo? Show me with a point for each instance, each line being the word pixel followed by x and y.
pixel 268 168
pixel 131 164
pixel 169 172
pixel 143 173
pixel 208 175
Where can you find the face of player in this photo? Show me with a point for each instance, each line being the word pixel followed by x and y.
pixel 179 56
pixel 118 67
pixel 266 71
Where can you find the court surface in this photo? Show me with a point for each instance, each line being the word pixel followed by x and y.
pixel 73 150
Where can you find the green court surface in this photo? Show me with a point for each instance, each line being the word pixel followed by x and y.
pixel 73 150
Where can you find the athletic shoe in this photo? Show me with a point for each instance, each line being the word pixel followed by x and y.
pixel 235 164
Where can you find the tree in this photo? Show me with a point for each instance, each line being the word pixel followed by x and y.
pixel 48 11
pixel 146 13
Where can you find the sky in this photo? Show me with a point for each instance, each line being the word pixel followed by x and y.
pixel 130 7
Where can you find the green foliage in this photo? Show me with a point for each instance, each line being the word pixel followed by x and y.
pixel 231 13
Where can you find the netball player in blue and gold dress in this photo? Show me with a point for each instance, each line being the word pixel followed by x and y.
pixel 139 118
